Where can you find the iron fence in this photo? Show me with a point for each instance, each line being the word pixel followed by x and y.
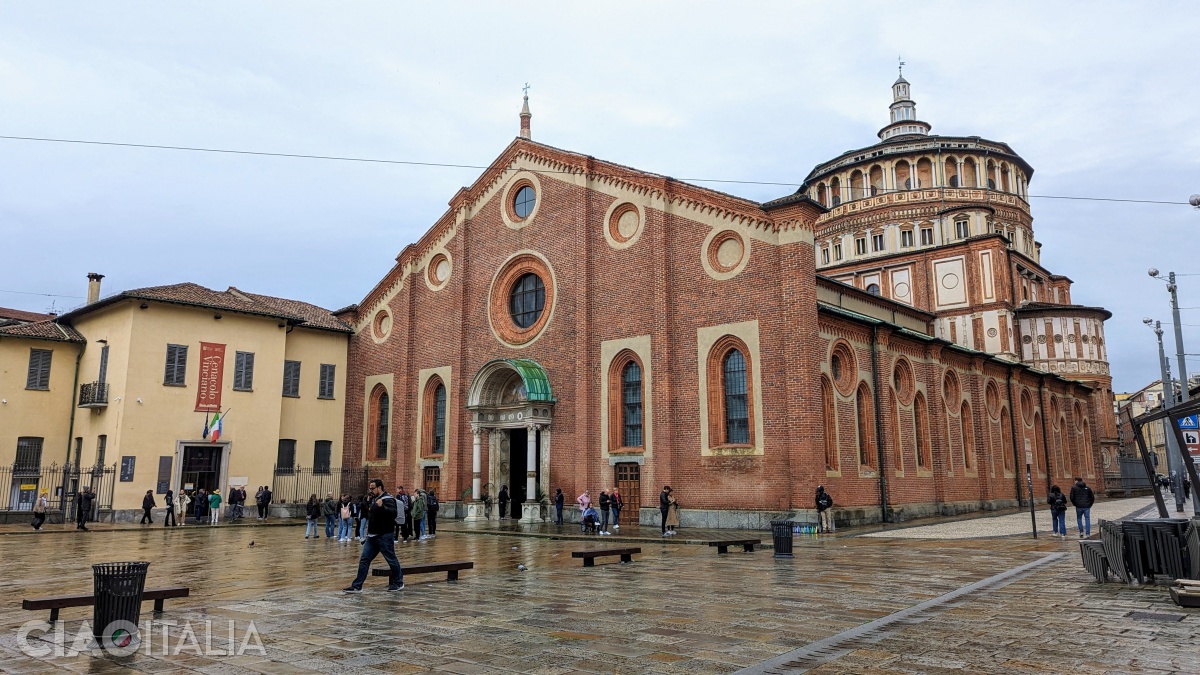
pixel 27 482
pixel 295 484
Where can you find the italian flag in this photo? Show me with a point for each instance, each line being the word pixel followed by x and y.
pixel 216 427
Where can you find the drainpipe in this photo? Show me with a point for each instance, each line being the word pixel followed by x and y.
pixel 883 502
pixel 71 427
pixel 1012 427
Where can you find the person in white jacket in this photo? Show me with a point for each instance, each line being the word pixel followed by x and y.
pixel 184 501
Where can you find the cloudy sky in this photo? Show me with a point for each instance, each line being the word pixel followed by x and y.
pixel 1101 98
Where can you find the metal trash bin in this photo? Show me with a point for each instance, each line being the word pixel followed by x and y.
pixel 118 603
pixel 781 534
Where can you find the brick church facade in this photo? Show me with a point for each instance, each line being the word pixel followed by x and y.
pixel 577 324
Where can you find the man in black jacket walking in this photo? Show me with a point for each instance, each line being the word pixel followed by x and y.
pixel 83 508
pixel 1082 499
pixel 381 522
pixel 664 505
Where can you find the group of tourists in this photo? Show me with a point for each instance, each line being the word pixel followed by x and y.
pixel 1082 498
pixel 591 519
pixel 415 518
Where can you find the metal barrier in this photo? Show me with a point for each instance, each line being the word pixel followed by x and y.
pixel 294 484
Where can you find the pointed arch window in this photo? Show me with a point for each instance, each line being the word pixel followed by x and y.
pixel 830 426
pixel 731 417
pixel 968 436
pixel 921 431
pixel 380 414
pixel 631 405
pixel 863 416
pixel 737 409
pixel 439 420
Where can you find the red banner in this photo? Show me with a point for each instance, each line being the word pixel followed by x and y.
pixel 212 369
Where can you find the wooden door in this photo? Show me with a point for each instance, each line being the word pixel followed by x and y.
pixel 629 482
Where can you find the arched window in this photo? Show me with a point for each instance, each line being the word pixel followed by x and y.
pixel 439 420
pixel 898 434
pixel 1006 439
pixel 864 415
pixel 921 431
pixel 729 377
pixel 903 175
pixel 631 405
pixel 1039 452
pixel 830 420
pixel 968 436
pixel 737 409
pixel 380 412
pixel 835 191
pixel 821 194
pixel 628 423
pixel 873 289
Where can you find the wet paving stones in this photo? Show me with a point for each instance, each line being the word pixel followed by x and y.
pixel 680 608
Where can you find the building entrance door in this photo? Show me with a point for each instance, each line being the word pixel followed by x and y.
pixel 629 483
pixel 201 467
pixel 518 458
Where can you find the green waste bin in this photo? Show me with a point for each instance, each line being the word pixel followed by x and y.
pixel 118 603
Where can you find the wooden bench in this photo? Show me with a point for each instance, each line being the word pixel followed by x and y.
pixel 57 602
pixel 746 544
pixel 589 557
pixel 450 568
pixel 1094 559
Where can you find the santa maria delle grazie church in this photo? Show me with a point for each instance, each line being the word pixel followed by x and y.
pixel 887 331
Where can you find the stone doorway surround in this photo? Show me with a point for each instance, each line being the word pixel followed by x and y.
pixel 510 394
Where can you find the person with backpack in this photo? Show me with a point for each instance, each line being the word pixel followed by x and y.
pixel 1082 499
pixel 403 514
pixel 312 513
pixel 345 518
pixel 381 523
pixel 824 510
pixel 431 511
pixel 1058 511
pixel 147 505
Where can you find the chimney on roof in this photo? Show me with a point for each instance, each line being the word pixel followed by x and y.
pixel 525 115
pixel 93 287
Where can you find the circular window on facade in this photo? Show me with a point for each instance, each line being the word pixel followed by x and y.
pixel 527 300
pixel 842 368
pixel 438 270
pixel 950 388
pixel 624 224
pixel 382 325
pixel 521 299
pixel 725 251
pixel 524 201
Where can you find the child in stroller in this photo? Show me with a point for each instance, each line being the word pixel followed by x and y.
pixel 590 521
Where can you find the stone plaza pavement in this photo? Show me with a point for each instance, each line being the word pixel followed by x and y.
pixel 890 602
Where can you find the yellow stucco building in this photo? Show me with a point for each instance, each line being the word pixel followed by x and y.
pixel 130 381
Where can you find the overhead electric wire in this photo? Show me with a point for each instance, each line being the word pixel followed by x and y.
pixel 370 160
pixel 48 295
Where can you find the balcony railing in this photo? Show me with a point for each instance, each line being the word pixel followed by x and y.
pixel 93 395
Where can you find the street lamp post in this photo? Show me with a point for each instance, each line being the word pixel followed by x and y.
pixel 1174 458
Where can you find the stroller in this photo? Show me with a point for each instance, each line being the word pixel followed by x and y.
pixel 591 521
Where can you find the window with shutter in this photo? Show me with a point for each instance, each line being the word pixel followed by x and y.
pixel 39 369
pixel 101 447
pixel 291 378
pixel 285 460
pixel 176 368
pixel 103 376
pixel 325 388
pixel 243 371
pixel 321 456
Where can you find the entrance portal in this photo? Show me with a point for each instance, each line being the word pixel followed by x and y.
pixel 201 467
pixel 512 406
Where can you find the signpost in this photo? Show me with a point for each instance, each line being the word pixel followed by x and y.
pixel 1190 426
